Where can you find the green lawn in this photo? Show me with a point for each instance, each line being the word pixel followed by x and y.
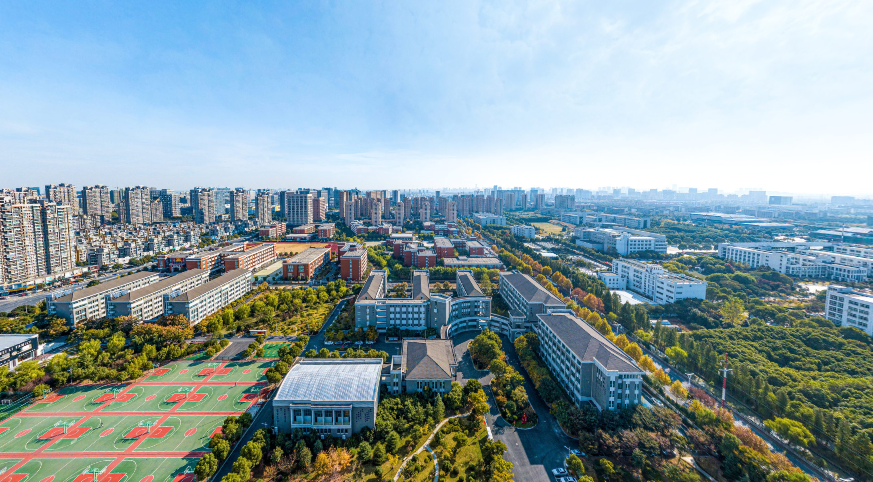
pixel 271 350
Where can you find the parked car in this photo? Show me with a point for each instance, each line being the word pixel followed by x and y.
pixel 559 471
pixel 359 343
pixel 370 342
pixel 567 479
pixel 577 452
pixel 328 342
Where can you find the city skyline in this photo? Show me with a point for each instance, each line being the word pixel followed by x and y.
pixel 650 96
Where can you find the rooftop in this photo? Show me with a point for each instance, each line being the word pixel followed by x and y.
pixel 336 380
pixel 428 359
pixel 308 255
pixel 373 286
pixel 471 287
pixel 463 260
pixel 163 284
pixel 420 285
pixel 195 293
pixel 103 287
pixel 529 289
pixel 8 341
pixel 587 343
pixel 357 253
pixel 239 254
pixel 441 242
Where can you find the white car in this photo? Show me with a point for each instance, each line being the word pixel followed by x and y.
pixel 577 452
pixel 370 342
pixel 567 479
pixel 359 343
pixel 328 343
pixel 559 471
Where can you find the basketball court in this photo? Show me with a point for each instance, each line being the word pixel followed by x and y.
pixel 151 431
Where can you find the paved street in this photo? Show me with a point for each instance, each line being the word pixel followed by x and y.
pixel 534 452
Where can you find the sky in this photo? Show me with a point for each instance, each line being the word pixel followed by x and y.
pixel 773 95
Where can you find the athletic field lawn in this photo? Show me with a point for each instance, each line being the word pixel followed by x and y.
pixel 271 350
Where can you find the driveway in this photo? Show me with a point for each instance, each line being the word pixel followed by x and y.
pixel 533 452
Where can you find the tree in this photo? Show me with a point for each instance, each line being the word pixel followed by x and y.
pixel 792 430
pixel 365 452
pixel 677 355
pixel 661 377
pixel 273 376
pixel 253 452
pixel 206 467
pixel 392 440
pixel 679 390
pixel 439 409
pixel 478 403
pixel 321 465
pixel 638 458
pixel 276 455
pixel 732 311
pixel 575 465
pixel 379 454
pixel 221 449
pixel 304 457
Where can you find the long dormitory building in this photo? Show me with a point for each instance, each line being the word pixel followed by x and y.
pixel 91 303
pixel 149 302
pixel 208 298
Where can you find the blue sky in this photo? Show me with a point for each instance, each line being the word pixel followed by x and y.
pixel 737 94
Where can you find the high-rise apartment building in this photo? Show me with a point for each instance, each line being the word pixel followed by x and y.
pixel 298 207
pixel 95 202
pixel 63 194
pixel 202 202
pixel 171 203
pixel 137 205
pixel 424 211
pixel 348 212
pixel 452 212
pixel 239 205
pixel 319 209
pixel 36 239
pixel 376 214
pixel 263 207
pixel 400 213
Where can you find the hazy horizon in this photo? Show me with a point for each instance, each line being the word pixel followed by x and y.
pixel 417 95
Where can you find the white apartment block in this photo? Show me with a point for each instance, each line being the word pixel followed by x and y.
pixel 852 250
pixel 298 208
pixel 522 230
pixel 91 303
pixel 148 303
pixel 526 299
pixel 206 299
pixel 805 263
pixel 623 241
pixel 603 218
pixel 485 219
pixel 848 307
pixel 654 282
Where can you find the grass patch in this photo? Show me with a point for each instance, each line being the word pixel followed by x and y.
pixel 271 350
pixel 549 228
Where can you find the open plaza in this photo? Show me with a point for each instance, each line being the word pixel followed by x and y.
pixel 154 430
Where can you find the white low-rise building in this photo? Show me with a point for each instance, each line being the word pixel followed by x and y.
pixel 623 241
pixel 523 230
pixel 654 282
pixel 848 307
pixel 485 219
pixel 802 262
pixel 208 298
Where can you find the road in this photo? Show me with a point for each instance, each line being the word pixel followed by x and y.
pixel 533 452
pixel 263 419
pixel 15 300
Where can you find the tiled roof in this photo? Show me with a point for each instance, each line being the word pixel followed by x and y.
pixel 528 288
pixel 207 287
pixel 428 359
pixel 587 343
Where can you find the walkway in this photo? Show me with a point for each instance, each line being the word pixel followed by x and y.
pixel 426 446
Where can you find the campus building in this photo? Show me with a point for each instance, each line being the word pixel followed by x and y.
pixel 620 240
pixel 442 247
pixel 523 230
pixel 473 262
pixel 422 309
pixel 91 303
pixel 15 349
pixel 272 231
pixel 250 258
pixel 656 283
pixel 423 365
pixel 204 300
pixel 485 219
pixel 526 299
pixel 848 307
pixel 147 303
pixel 590 368
pixel 338 397
pixel 353 264
pixel 797 259
pixel 305 264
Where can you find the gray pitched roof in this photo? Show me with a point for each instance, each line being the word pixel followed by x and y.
pixel 338 380
pixel 469 284
pixel 420 285
pixel 372 287
pixel 428 359
pixel 587 343
pixel 163 284
pixel 193 294
pixel 529 289
pixel 104 287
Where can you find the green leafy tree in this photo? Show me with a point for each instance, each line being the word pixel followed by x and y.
pixel 732 311
pixel 392 441
pixel 207 466
pixel 575 465
pixel 380 455
pixel 253 452
pixel 365 452
pixel 792 430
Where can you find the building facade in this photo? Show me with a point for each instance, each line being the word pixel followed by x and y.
pixel 656 283
pixel 526 299
pixel 202 202
pixel 522 230
pixel 305 264
pixel 353 264
pixel 848 307
pixel 147 303
pixel 590 368
pixel 208 298
pixel 91 303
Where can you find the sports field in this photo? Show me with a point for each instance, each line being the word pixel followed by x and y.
pixel 271 350
pixel 151 431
